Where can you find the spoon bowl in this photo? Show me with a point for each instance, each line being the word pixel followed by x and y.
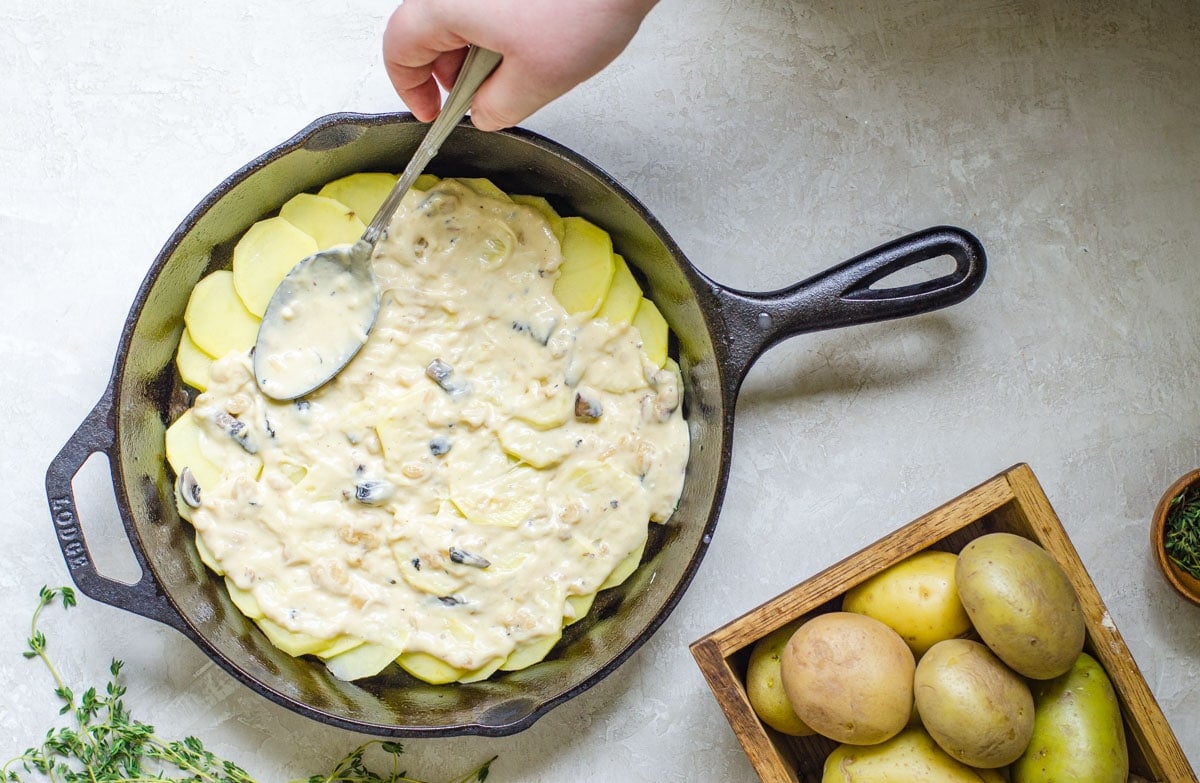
pixel 322 312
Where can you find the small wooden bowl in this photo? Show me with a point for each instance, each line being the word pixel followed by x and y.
pixel 1184 583
pixel 1011 502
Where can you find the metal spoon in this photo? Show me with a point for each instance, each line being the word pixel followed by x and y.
pixel 321 313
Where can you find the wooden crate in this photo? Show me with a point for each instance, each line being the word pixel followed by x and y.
pixel 1011 502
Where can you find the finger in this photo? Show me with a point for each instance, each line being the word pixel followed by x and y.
pixel 515 91
pixel 414 54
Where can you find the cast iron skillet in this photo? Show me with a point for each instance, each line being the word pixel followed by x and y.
pixel 718 334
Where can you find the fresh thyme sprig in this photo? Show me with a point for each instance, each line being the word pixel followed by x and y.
pixel 107 745
pixel 1181 537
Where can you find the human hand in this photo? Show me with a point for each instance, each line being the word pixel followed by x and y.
pixel 549 46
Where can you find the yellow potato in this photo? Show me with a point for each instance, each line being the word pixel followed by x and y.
pixel 364 192
pixel 764 683
pixel 263 256
pixel 1078 733
pixel 580 606
pixel 184 451
pixel 484 187
pixel 194 364
pixel 976 708
pixel 624 295
pixel 653 328
pixel 909 757
pixel 587 269
pixel 849 677
pixel 294 643
pixel 429 669
pixel 916 597
pixel 1021 603
pixel 365 659
pixel 425 182
pixel 553 219
pixel 328 221
pixel 530 652
pixel 216 319
pixel 625 568
pixel 207 557
pixel 504 501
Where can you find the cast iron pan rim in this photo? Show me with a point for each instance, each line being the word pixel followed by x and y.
pixel 715 328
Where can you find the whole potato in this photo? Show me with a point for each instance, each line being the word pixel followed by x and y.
pixel 1078 734
pixel 849 677
pixel 917 597
pixel 908 757
pixel 764 683
pixel 976 708
pixel 1021 603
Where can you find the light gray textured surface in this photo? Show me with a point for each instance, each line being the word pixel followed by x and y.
pixel 772 138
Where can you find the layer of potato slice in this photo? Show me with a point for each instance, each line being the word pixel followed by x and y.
pixel 244 600
pixel 425 182
pixel 429 669
pixel 364 660
pixel 653 328
pixel 207 557
pixel 529 653
pixel 263 256
pixel 484 187
pixel 183 451
pixel 294 643
pixel 552 217
pixel 624 295
pixel 327 220
pixel 194 365
pixel 215 317
pixel 580 606
pixel 505 500
pixel 625 568
pixel 363 192
pixel 532 446
pixel 587 267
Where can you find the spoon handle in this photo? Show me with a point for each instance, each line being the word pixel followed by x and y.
pixel 477 66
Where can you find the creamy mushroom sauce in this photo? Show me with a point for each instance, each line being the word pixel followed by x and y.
pixel 485 456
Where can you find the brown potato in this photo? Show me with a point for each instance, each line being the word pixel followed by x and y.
pixel 1021 603
pixel 976 708
pixel 849 677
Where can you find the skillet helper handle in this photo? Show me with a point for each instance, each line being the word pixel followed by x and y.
pixel 844 296
pixel 96 435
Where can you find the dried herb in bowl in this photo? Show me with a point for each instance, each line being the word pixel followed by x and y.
pixel 1181 531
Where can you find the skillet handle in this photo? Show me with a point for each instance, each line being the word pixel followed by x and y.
pixel 97 434
pixel 844 296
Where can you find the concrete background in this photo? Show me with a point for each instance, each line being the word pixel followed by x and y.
pixel 773 138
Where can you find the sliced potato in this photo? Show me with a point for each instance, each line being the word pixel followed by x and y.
pixel 504 501
pixel 216 319
pixel 263 256
pixel 483 672
pixel 587 269
pixel 425 182
pixel 328 221
pixel 529 653
pixel 194 364
pixel 625 568
pixel 294 643
pixel 624 295
pixel 244 600
pixel 207 557
pixel 183 451
pixel 532 446
pixel 580 605
pixel 432 670
pixel 363 192
pixel 653 328
pixel 543 206
pixel 484 187
pixel 363 660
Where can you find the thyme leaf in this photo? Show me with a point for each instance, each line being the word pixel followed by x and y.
pixel 104 743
